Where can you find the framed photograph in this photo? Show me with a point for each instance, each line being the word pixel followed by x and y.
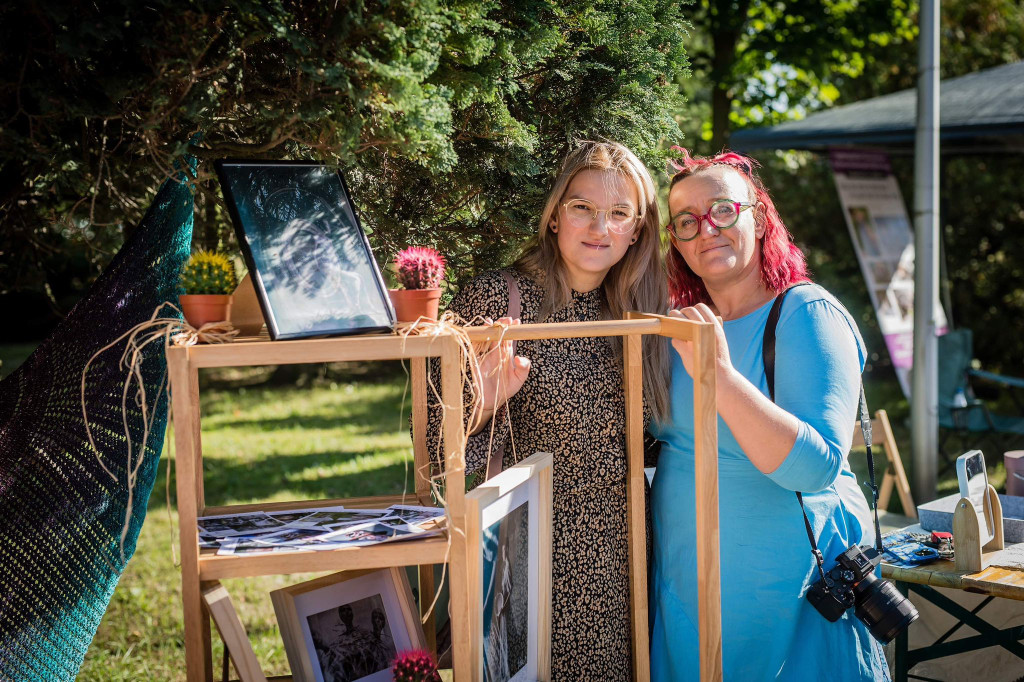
pixel 348 626
pixel 310 261
pixel 508 536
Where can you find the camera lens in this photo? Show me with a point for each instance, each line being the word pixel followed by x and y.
pixel 882 608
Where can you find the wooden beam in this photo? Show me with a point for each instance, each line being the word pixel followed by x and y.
pixel 252 353
pixel 421 458
pixel 565 330
pixel 635 505
pixel 709 580
pixel 455 496
pixel 432 550
pixel 236 641
pixel 184 381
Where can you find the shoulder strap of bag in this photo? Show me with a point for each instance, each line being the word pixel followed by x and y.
pixel 514 300
pixel 494 460
pixel 768 357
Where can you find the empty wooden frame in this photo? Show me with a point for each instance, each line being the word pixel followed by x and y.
pixel 705 420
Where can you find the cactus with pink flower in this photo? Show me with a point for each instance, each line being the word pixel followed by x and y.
pixel 415 666
pixel 419 267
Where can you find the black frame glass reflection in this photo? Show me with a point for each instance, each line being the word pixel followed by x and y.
pixel 311 263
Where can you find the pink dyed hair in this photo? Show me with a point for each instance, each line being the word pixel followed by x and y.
pixel 782 262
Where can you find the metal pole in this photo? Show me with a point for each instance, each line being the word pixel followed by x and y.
pixel 924 399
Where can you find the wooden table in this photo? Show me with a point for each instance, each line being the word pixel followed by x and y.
pixel 994 581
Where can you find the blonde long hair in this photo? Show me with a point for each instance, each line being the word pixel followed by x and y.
pixel 637 282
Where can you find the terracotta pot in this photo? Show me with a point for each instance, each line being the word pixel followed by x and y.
pixel 412 304
pixel 202 308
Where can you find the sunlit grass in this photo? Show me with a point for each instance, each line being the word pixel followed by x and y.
pixel 342 440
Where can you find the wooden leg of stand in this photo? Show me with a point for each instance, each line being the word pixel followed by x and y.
pixel 427 588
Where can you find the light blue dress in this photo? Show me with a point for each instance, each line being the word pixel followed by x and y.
pixel 770 631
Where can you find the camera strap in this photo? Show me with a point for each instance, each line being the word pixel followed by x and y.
pixel 768 357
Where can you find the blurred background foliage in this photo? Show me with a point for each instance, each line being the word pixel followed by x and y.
pixel 448 118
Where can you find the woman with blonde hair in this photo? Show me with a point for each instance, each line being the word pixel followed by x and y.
pixel 595 256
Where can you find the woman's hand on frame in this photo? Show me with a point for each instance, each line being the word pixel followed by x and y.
pixel 501 374
pixel 702 313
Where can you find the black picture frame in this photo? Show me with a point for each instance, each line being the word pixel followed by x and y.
pixel 310 261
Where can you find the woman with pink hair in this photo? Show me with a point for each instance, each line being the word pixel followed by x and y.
pixel 732 257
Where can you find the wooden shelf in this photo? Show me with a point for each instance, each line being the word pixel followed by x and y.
pixel 203 568
pixel 430 550
pixel 381 502
pixel 255 351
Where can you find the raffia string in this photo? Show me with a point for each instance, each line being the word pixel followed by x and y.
pixel 452 324
pixel 172 331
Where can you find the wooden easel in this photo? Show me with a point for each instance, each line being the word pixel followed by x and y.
pixel 968 553
pixel 895 476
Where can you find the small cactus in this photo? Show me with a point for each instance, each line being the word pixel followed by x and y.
pixel 208 272
pixel 419 267
pixel 415 666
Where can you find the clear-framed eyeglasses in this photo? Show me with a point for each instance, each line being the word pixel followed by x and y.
pixel 581 213
pixel 723 214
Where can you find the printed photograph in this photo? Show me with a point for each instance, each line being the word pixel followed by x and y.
pixel 289 517
pixel 363 535
pixel 353 641
pixel 336 518
pixel 238 524
pixel 415 515
pixel 506 595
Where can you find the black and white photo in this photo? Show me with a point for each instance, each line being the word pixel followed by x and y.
pixel 348 627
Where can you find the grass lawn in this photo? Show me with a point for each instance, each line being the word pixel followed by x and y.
pixel 340 440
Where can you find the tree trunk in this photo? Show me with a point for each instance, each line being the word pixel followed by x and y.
pixel 726 26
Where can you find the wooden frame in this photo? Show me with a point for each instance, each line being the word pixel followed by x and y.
pixel 295 604
pixel 527 484
pixel 236 641
pixel 199 567
pixel 709 584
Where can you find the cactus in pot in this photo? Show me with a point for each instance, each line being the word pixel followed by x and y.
pixel 420 271
pixel 208 279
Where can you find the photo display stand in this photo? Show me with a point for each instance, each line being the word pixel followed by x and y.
pixel 202 567
pixel 969 554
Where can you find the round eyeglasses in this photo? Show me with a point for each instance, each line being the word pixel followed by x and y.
pixel 581 213
pixel 723 214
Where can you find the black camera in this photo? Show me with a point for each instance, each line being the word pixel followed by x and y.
pixel 852 582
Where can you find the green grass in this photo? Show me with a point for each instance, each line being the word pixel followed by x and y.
pixel 340 440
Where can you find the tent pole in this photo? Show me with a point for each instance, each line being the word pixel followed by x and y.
pixel 924 399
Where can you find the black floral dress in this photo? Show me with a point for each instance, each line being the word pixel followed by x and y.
pixel 571 405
